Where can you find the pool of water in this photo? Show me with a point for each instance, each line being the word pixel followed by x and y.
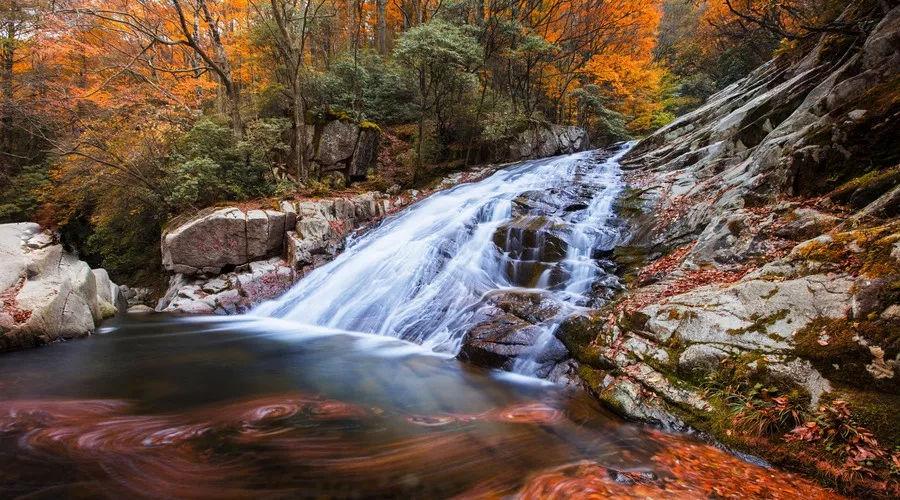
pixel 162 406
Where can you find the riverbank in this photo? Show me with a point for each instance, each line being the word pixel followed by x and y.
pixel 761 266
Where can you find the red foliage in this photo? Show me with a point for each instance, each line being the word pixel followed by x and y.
pixel 666 264
pixel 835 428
pixel 11 305
pixel 685 470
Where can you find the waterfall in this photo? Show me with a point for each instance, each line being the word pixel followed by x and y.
pixel 423 274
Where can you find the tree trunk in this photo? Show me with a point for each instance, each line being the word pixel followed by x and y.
pixel 299 141
pixel 381 27
pixel 234 111
pixel 417 170
pixel 7 54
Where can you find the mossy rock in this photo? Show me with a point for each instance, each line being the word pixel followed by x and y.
pixel 864 189
pixel 629 259
pixel 865 251
pixel 583 337
pixel 760 324
pixel 630 204
pixel 839 349
pixel 591 376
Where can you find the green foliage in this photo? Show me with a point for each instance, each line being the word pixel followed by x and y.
pixel 20 199
pixel 503 121
pixel 114 216
pixel 194 182
pixel 441 57
pixel 208 166
pixel 370 88
pixel 438 47
pixel 602 123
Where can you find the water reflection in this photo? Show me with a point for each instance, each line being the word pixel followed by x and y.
pixel 236 408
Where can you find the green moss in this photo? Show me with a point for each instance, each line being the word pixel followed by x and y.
pixel 592 377
pixel 629 258
pixel 876 411
pixel 630 203
pixel 633 321
pixel 328 115
pixel 367 125
pixel 760 324
pixel 865 251
pixel 868 186
pixel 583 337
pixel 835 347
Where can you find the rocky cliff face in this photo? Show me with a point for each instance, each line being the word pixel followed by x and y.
pixel 46 293
pixel 764 265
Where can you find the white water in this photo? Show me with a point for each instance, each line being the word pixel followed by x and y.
pixel 421 273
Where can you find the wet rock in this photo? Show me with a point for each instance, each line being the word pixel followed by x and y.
pixel 533 238
pixel 494 343
pixel 533 307
pixel 549 202
pixel 508 326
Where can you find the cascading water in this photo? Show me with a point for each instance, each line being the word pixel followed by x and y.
pixel 424 274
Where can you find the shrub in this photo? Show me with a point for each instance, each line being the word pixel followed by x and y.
pixel 21 197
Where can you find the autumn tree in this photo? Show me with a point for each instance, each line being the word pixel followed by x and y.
pixel 178 38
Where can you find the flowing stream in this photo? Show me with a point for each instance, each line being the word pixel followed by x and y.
pixel 423 275
pixel 303 401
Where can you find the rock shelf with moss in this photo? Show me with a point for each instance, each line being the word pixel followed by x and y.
pixel 763 269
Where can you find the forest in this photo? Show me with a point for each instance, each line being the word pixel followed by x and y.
pixel 533 249
pixel 118 115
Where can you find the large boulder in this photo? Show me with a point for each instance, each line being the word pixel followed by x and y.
pixel 220 238
pixel 510 324
pixel 46 293
pixel 344 147
pixel 547 140
pixel 323 225
pixel 337 142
